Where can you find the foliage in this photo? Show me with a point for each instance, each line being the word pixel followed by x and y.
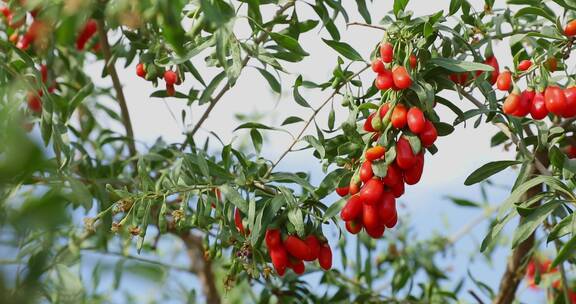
pixel 220 199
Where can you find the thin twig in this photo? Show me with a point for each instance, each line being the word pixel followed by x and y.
pixel 311 118
pixel 471 225
pixel 367 25
pixel 126 121
pixel 261 38
pixel 506 130
pixel 136 258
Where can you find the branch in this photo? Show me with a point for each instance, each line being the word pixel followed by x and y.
pixel 201 267
pixel 366 25
pixel 227 87
pixel 311 118
pixel 471 225
pixel 516 267
pixel 102 33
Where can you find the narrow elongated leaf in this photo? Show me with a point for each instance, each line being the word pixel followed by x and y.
pixel 399 5
pixel 291 120
pixel 207 93
pixel 463 202
pixel 234 197
pixel 565 252
pixel 566 226
pixel 295 217
pixel 460 65
pixel 363 10
pixel 530 10
pixel 288 43
pixel 272 81
pixel 488 170
pixel 344 49
pixel 256 140
pixel 297 97
pixel 532 221
pixel 314 142
pixel 333 209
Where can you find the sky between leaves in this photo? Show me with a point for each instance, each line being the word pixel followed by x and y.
pixel 459 154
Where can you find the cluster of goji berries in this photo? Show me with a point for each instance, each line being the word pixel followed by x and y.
pixel 381 176
pixel 293 251
pixel 538 103
pixel 396 78
pixel 38 31
pixel 535 268
pixel 171 78
pixel 17 21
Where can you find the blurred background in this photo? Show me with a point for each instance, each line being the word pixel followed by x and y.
pixel 426 207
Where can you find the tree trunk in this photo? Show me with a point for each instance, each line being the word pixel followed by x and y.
pixel 201 267
pixel 516 266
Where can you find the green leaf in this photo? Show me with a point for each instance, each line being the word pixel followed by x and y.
pixel 566 226
pixel 330 182
pixel 454 6
pixel 565 252
pixel 333 209
pixel 234 197
pixel 532 221
pixel 80 96
pixel 399 5
pixel 207 93
pixel 463 202
pixel 344 49
pixel 256 140
pixel 314 142
pixel 415 143
pixel 291 120
pixel 295 217
pixel 495 230
pixel 292 178
pixel 568 4
pixel 164 94
pixel 297 97
pixel 363 10
pixel 217 11
pixel 380 168
pixel 515 196
pixel 488 170
pixel 144 225
pixel 530 10
pixel 444 129
pixel 67 284
pixel 460 65
pixel 320 9
pixel 288 43
pixel 80 193
pixel 272 81
pixel 253 125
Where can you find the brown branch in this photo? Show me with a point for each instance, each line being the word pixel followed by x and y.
pixel 311 118
pixel 201 267
pixel 367 25
pixel 126 121
pixel 516 266
pixel 261 38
